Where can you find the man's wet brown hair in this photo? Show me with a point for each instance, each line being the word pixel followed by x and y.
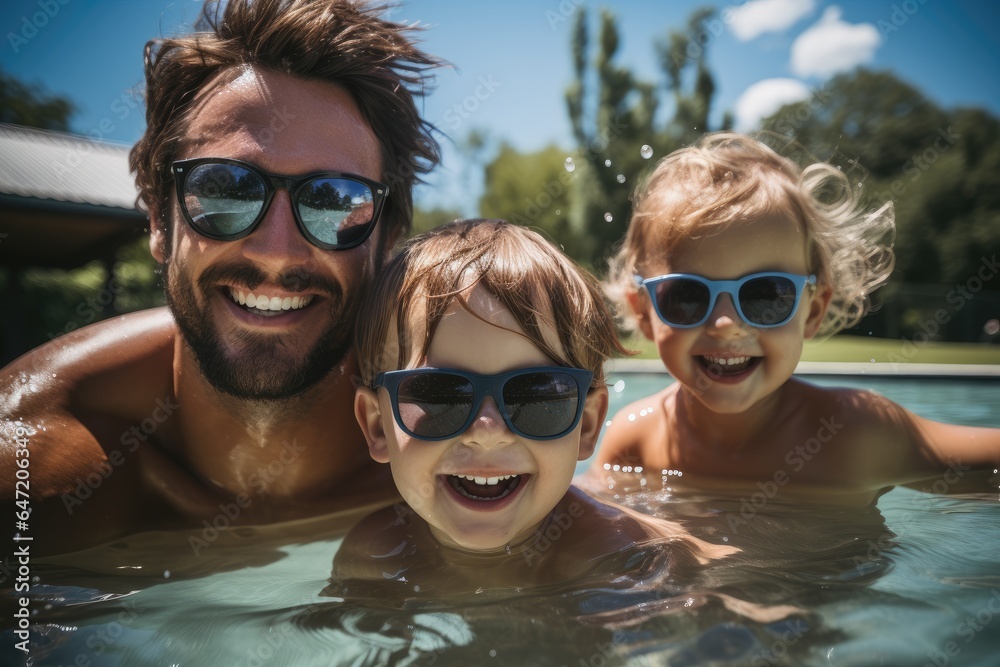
pixel 344 42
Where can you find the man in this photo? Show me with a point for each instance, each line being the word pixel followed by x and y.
pixel 277 168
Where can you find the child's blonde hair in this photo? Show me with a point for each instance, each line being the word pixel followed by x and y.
pixel 536 282
pixel 727 177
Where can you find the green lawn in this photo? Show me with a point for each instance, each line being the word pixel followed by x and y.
pixel 858 349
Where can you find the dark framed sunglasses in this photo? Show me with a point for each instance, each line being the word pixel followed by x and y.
pixel 226 199
pixel 541 403
pixel 763 300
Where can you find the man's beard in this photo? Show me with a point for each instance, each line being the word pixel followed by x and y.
pixel 265 368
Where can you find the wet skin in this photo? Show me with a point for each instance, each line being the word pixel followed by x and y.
pixel 195 446
pixel 737 416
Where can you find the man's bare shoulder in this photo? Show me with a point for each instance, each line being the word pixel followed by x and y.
pixel 55 395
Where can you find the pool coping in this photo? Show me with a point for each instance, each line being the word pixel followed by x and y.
pixel 877 369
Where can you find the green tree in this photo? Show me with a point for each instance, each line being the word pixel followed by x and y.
pixel 425 219
pixel 532 189
pixel 23 104
pixel 615 123
pixel 941 169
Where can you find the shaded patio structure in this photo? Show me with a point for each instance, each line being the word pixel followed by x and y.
pixel 65 200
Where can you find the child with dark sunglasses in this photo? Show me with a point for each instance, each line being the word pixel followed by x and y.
pixel 733 258
pixel 481 352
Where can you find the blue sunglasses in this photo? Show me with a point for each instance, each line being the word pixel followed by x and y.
pixel 541 403
pixel 763 300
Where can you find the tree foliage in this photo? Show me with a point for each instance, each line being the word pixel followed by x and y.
pixel 23 104
pixel 533 189
pixel 941 169
pixel 614 116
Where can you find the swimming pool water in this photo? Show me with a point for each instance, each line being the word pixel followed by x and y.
pixel 911 580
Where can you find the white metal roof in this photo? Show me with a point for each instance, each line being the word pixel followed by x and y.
pixel 64 167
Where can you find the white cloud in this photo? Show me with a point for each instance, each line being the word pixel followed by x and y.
pixel 833 46
pixel 764 98
pixel 759 16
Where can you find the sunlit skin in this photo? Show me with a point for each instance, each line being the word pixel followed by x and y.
pixel 488 448
pixel 212 447
pixel 546 531
pixel 763 425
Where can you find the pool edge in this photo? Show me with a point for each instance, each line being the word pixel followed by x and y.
pixel 878 369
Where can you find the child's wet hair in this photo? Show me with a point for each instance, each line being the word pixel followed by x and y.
pixel 726 178
pixel 529 276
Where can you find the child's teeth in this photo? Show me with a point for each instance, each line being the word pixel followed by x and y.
pixel 728 362
pixel 486 481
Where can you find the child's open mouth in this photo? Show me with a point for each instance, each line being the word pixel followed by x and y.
pixel 727 367
pixel 484 489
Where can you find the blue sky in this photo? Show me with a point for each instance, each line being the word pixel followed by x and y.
pixel 512 59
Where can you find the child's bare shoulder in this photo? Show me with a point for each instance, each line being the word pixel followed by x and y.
pixel 637 432
pixel 870 434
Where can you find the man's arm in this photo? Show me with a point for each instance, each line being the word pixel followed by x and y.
pixel 71 401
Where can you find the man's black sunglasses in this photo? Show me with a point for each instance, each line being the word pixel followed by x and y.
pixel 226 199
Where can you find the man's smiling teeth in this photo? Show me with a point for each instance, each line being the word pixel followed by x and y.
pixel 732 361
pixel 486 481
pixel 263 302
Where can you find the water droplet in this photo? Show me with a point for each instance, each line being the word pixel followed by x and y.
pixel 493 653
pixel 558 211
pixel 607 163
pixel 570 165
pixel 646 151
pixel 873 360
pixel 620 178
pixel 620 386
pixel 631 417
pixel 166 574
pixel 725 539
pixel 608 217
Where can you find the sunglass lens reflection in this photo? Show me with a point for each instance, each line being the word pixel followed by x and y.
pixel 682 301
pixel 541 404
pixel 767 300
pixel 434 405
pixel 223 198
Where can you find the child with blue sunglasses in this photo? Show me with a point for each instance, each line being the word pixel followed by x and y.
pixel 733 258
pixel 481 353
